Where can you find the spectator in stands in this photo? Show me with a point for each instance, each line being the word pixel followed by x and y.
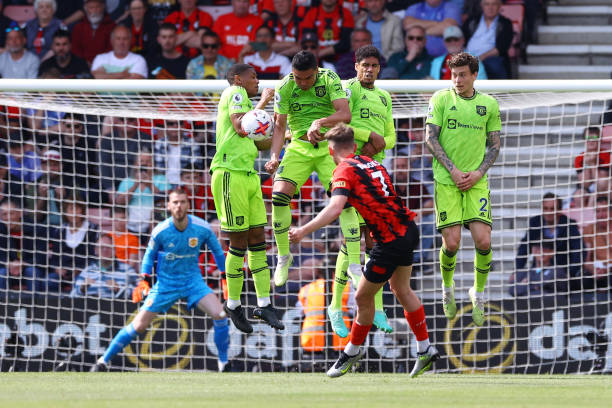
pixel 23 161
pixel 236 29
pixel 386 28
pixel 23 249
pixel 197 184
pixel 138 191
pixel 543 276
pixel 414 62
pixel 489 36
pixel 597 239
pixel 345 65
pixel 454 43
pixel 159 10
pixel 333 25
pixel 70 12
pixel 594 157
pixel 119 63
pixel 259 54
pixel 16 61
pixel 44 197
pixel 72 245
pixel 190 22
pixel 434 16
pixel 420 158
pixel 419 200
pixel 168 63
pixel 143 28
pixel 9 186
pixel 209 65
pixel 285 21
pixel 555 226
pixel 174 151
pixel 63 60
pixel 126 244
pixel 310 42
pixel 119 150
pixel 92 35
pixel 39 31
pixel 105 276
pixel 5 23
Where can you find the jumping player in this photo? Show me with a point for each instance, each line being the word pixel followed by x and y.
pixel 365 184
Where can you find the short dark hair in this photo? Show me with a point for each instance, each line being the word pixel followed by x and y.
pixel 341 135
pixel 304 60
pixel 590 130
pixel 237 69
pixel 267 27
pixel 367 51
pixel 61 33
pixel 178 190
pixel 167 26
pixel 602 199
pixel 462 59
pixel 210 33
pixel 552 196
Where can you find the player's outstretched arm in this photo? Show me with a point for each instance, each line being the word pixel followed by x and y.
pixel 326 216
pixel 215 247
pixel 342 114
pixel 266 96
pixel 278 140
pixel 432 141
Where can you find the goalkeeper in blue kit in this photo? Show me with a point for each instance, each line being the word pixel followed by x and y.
pixel 175 245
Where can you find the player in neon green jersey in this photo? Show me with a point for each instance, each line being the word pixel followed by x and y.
pixel 310 100
pixel 463 134
pixel 374 130
pixel 239 202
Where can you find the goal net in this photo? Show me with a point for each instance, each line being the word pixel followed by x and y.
pixel 83 169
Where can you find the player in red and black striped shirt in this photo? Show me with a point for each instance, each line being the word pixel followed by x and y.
pixel 365 184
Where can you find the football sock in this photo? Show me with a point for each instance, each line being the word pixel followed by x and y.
pixel 378 300
pixel 349 223
pixel 482 266
pixel 221 337
pixel 447 266
pixel 121 339
pixel 340 278
pixel 281 220
pixel 234 272
pixel 358 336
pixel 258 264
pixel 418 325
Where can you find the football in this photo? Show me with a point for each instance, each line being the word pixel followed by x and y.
pixel 257 124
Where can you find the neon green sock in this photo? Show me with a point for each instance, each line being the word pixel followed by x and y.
pixel 482 266
pixel 340 278
pixel 234 272
pixel 447 266
pixel 258 264
pixel 378 300
pixel 281 221
pixel 349 223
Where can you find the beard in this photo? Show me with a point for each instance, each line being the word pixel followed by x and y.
pixel 95 18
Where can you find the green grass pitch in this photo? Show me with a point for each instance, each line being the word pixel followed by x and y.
pixel 253 390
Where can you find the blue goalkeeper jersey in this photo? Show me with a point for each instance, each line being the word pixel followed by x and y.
pixel 177 252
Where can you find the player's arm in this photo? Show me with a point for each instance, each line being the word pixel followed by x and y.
pixel 432 141
pixel 342 114
pixel 326 216
pixel 215 247
pixel 278 140
pixel 493 147
pixel 236 119
pixel 146 272
pixel 266 96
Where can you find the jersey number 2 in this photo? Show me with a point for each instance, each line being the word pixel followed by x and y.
pixel 379 176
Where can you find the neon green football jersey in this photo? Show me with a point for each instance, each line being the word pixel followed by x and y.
pixel 464 124
pixel 371 110
pixel 304 107
pixel 234 152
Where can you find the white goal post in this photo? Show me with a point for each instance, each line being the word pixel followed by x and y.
pixel 566 327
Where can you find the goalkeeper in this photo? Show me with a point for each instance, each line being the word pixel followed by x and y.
pixel 463 135
pixel 175 243
pixel 374 130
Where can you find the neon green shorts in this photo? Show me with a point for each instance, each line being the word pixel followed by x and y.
pixel 238 200
pixel 456 207
pixel 301 159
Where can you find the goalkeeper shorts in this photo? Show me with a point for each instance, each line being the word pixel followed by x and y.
pixel 162 297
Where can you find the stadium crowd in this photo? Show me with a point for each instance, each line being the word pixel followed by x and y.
pixel 64 176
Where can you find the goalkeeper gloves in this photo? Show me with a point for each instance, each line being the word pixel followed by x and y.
pixel 141 291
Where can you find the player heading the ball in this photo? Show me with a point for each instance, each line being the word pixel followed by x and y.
pixel 175 244
pixel 364 183
pixel 463 135
pixel 236 188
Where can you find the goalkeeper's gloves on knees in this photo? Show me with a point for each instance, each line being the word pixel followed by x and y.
pixel 141 291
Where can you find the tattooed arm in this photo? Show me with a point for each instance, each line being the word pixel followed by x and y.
pixel 432 141
pixel 493 146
